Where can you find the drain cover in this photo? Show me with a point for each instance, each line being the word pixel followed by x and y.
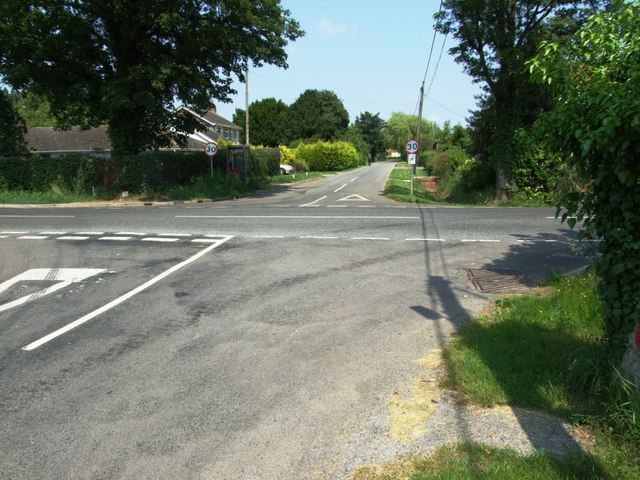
pixel 497 281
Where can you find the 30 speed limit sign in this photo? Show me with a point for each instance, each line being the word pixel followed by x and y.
pixel 412 146
pixel 211 148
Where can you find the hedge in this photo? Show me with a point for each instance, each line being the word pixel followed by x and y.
pixel 328 156
pixel 264 162
pixel 36 173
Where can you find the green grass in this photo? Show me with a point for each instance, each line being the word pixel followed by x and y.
pixel 398 186
pixel 297 177
pixel 544 352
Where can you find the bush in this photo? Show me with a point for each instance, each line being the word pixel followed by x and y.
pixel 158 171
pixel 36 173
pixel 328 156
pixel 443 164
pixel 264 161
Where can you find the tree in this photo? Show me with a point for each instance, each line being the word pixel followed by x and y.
pixel 11 128
pixel 402 127
pixel 267 122
pixel 595 124
pixel 495 40
pixel 126 62
pixel 317 114
pixel 372 127
pixel 35 111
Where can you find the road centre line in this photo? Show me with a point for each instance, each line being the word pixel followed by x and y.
pixel 370 238
pixel 14 233
pixel 115 239
pixel 131 234
pixel 53 233
pixel 468 240
pixel 307 217
pixel 89 233
pixel 74 237
pixel 425 240
pixel 123 298
pixel 340 188
pixel 160 239
pixel 33 237
pixel 312 203
pixel 312 237
pixel 354 178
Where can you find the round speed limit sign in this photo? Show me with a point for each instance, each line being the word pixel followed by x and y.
pixel 211 148
pixel 411 146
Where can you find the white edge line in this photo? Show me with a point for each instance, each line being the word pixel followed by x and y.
pixel 123 298
pixel 315 201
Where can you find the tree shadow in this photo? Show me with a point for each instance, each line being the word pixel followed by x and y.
pixel 537 257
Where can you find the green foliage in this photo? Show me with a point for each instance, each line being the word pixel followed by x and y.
pixel 158 171
pixel 35 173
pixel 372 129
pixel 221 185
pixel 317 114
pixel 328 156
pixel 11 129
pixel 264 162
pixel 353 135
pixel 35 111
pixel 402 127
pixel 444 163
pixel 595 124
pixel 495 39
pixel 126 63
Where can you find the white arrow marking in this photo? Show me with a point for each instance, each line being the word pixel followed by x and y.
pixel 64 277
pixel 354 198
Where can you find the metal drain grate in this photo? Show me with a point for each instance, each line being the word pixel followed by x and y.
pixel 497 281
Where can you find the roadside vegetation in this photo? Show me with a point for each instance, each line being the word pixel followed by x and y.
pixel 546 352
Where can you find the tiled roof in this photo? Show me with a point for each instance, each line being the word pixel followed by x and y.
pixel 48 140
pixel 212 118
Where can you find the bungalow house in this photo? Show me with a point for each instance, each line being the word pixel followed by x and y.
pixel 95 142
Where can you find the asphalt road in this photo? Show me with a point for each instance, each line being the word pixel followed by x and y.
pixel 259 338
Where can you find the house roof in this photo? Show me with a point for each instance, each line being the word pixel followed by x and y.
pixel 212 118
pixel 49 140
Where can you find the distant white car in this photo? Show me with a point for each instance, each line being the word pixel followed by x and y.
pixel 286 169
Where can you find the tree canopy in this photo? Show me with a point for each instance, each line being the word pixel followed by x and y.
pixel 495 39
pixel 126 63
pixel 11 128
pixel 372 129
pixel 267 122
pixel 317 114
pixel 595 78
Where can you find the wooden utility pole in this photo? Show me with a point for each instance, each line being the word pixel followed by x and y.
pixel 246 102
pixel 413 167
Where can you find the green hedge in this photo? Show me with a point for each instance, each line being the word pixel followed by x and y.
pixel 264 161
pixel 328 156
pixel 159 170
pixel 36 173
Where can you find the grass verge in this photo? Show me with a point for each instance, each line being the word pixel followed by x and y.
pixel 541 351
pixel 398 186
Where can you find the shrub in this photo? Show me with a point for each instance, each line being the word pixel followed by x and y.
pixel 264 161
pixel 328 156
pixel 443 164
pixel 36 173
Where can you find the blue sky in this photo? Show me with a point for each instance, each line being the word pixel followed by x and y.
pixel 373 54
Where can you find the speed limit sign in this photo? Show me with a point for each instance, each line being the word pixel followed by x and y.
pixel 412 146
pixel 211 148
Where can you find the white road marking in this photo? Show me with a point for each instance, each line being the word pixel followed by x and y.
pixel 354 178
pixel 73 237
pixel 64 277
pixel 33 237
pixel 14 233
pixel 160 239
pixel 4 236
pixel 311 204
pixel 115 239
pixel 340 188
pixel 89 233
pixel 425 240
pixel 354 198
pixel 53 233
pixel 174 234
pixel 124 297
pixel 131 234
pixel 204 240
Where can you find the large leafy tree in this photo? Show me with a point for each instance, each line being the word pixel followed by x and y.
pixel 267 122
pixel 11 127
pixel 35 111
pixel 495 40
pixel 127 62
pixel 317 114
pixel 372 128
pixel 402 127
pixel 595 77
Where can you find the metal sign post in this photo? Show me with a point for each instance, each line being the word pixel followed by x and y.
pixel 211 149
pixel 411 147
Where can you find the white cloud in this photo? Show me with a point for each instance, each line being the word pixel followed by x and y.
pixel 331 28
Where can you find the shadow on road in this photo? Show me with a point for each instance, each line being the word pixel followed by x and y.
pixel 537 257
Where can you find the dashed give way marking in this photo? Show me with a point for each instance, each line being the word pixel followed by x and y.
pixel 63 276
